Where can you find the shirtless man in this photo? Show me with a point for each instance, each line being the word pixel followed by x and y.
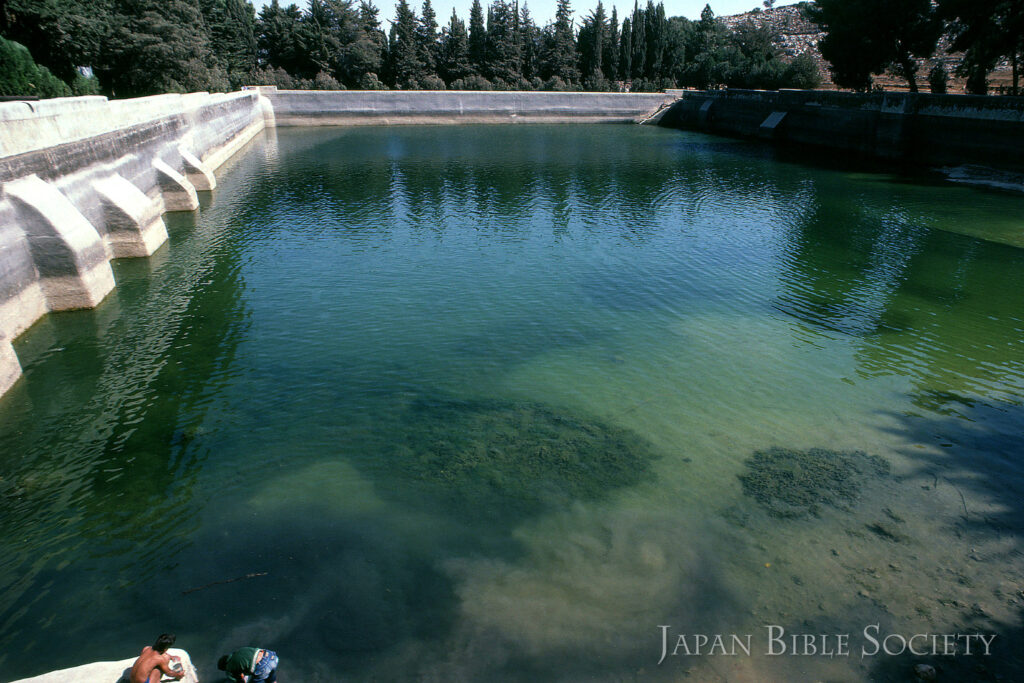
pixel 154 662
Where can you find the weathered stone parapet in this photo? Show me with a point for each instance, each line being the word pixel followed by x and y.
pixel 111 672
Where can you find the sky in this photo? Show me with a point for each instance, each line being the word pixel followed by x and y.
pixel 543 11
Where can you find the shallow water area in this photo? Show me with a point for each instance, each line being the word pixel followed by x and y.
pixel 502 402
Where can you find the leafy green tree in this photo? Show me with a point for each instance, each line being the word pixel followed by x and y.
pixel 679 37
pixel 802 73
pixel 231 29
pixel 280 40
pixel 865 37
pixel 22 77
pixel 59 34
pixel 160 46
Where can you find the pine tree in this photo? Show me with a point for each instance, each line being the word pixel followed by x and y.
pixel 426 38
pixel 477 37
pixel 865 37
pixel 529 36
pixel 453 62
pixel 562 52
pixel 503 56
pixel 406 65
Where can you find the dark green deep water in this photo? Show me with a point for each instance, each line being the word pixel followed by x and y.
pixel 494 403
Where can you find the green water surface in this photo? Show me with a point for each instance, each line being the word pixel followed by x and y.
pixel 495 403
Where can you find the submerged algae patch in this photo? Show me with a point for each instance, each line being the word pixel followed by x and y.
pixel 791 483
pixel 518 455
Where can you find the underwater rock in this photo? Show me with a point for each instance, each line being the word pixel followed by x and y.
pixel 791 483
pixel 510 455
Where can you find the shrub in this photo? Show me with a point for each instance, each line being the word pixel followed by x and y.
pixel 802 73
pixel 325 81
pixel 21 76
pixel 556 84
pixel 83 85
pixel 431 82
pixel 474 82
pixel 369 81
pixel 275 76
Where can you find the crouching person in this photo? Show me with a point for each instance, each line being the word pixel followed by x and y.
pixel 250 665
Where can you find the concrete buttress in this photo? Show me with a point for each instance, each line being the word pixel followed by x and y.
pixel 134 222
pixel 179 194
pixel 198 173
pixel 72 259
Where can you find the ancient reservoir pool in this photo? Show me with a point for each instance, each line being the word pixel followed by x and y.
pixel 532 403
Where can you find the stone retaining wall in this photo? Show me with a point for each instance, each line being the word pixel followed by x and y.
pixel 390 107
pixel 920 129
pixel 84 180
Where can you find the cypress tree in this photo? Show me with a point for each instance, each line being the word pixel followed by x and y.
pixel 626 51
pixel 477 37
pixel 611 50
pixel 656 30
pixel 639 53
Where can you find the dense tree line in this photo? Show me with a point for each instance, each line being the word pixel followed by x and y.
pixel 870 37
pixel 139 47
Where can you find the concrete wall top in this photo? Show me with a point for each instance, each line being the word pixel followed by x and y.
pixel 370 103
pixel 973 106
pixel 30 126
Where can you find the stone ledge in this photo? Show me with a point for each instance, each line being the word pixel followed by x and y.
pixel 109 672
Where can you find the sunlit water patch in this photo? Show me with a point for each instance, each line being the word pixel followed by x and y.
pixel 498 403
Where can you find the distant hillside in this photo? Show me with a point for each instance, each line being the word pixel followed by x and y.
pixel 797 34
